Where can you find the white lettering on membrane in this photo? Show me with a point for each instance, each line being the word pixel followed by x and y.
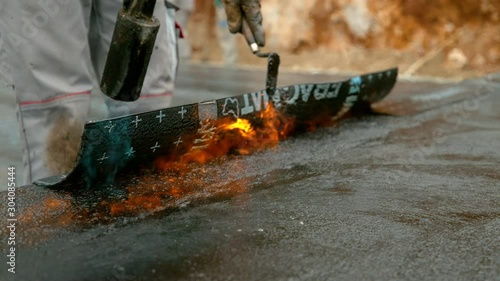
pixel 231 107
pixel 354 91
pixel 355 85
pixel 326 91
pixel 350 101
pixel 206 132
pixel 247 109
pixel 304 92
pixel 252 102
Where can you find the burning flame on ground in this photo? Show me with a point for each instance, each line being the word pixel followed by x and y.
pixel 230 136
pixel 241 124
pixel 179 179
pixel 183 178
pixel 241 136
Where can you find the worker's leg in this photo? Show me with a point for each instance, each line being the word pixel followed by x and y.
pixel 159 83
pixel 182 17
pixel 48 55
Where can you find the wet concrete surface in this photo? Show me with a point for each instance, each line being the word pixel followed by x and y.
pixel 377 197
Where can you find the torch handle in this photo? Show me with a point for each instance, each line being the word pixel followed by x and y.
pixel 247 33
pixel 142 8
pixel 273 59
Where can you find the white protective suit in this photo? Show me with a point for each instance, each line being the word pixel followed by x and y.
pixel 51 50
pixel 186 8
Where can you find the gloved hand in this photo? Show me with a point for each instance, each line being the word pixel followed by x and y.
pixel 238 11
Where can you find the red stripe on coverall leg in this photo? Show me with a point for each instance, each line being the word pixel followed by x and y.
pixel 54 98
pixel 156 95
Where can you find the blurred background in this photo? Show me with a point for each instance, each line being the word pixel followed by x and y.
pixel 438 38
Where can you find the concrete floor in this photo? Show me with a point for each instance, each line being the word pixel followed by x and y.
pixel 412 197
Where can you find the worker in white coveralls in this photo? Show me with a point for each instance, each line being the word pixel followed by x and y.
pixel 182 16
pixel 50 49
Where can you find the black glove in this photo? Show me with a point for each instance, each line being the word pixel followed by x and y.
pixel 238 11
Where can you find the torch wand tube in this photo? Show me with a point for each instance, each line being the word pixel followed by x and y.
pixel 273 59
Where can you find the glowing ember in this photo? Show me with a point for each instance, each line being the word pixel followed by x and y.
pixel 242 124
pixel 56 204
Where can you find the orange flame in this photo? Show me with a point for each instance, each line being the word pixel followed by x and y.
pixel 242 136
pixel 241 124
pixel 181 178
pixel 176 183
